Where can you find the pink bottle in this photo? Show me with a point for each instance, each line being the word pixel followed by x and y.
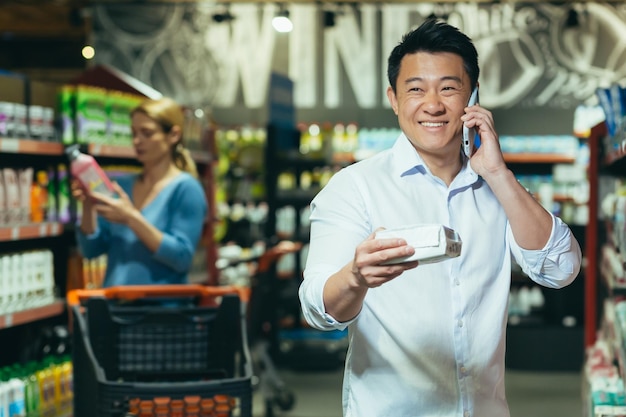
pixel 87 171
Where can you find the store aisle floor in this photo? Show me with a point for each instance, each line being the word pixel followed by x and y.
pixel 530 394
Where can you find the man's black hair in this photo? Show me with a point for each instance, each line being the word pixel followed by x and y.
pixel 434 36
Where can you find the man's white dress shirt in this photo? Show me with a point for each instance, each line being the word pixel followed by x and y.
pixel 432 341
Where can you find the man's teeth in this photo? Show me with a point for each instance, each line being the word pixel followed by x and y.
pixel 430 124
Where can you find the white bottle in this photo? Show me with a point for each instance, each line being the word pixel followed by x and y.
pixel 7 272
pixel 25 281
pixel 17 406
pixel 48 264
pixel 4 398
pixel 16 275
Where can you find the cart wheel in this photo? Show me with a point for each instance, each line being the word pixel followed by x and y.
pixel 285 400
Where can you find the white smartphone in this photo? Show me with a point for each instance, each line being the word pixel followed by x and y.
pixel 471 140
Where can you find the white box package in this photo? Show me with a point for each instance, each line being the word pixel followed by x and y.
pixel 432 242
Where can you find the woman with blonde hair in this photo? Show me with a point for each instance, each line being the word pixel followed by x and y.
pixel 151 230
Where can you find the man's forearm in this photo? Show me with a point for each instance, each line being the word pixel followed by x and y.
pixel 342 300
pixel 530 222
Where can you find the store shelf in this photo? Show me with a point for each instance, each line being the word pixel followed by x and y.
pixel 30 231
pixel 111 151
pixel 298 161
pixel 296 196
pixel 116 151
pixel 538 158
pixel 21 146
pixel 31 315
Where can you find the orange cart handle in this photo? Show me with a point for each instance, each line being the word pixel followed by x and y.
pixel 134 292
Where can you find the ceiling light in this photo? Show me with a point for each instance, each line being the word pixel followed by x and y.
pixel 88 52
pixel 329 18
pixel 572 20
pixel 281 21
pixel 223 17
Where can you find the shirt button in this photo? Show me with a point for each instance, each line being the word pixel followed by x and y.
pixel 463 370
pixel 460 323
pixel 457 282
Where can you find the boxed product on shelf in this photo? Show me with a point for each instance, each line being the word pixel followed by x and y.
pixel 118 107
pixel 26 107
pixel 7 118
pixel 613 103
pixel 90 114
pixel 41 122
pixel 20 121
pixel 65 108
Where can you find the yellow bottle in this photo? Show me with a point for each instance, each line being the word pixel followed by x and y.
pixel 39 198
pixel 57 378
pixel 42 376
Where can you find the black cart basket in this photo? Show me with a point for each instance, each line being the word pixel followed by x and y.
pixel 162 351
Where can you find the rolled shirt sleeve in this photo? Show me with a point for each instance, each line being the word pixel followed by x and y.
pixel 311 294
pixel 557 264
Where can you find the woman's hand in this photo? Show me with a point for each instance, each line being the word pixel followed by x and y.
pixel 81 194
pixel 116 210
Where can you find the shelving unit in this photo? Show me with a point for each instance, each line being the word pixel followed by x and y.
pixel 24 325
pixel 300 345
pixel 26 236
pixel 605 281
pixel 592 236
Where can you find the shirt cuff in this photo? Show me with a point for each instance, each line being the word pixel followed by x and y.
pixel 558 262
pixel 313 309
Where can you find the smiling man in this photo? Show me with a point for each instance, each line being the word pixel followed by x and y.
pixel 429 340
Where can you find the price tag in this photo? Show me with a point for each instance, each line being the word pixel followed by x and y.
pixel 55 228
pixel 43 230
pixel 15 233
pixel 8 320
pixel 96 149
pixel 9 145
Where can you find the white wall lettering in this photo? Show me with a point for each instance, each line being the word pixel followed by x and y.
pixel 529 58
pixel 356 44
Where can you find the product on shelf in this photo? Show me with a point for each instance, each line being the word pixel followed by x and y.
pixel 39 198
pixel 37 388
pixel 613 103
pixel 26 280
pixel 95 115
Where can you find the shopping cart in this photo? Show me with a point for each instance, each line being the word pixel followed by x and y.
pixel 162 351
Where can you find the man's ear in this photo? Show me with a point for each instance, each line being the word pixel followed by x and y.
pixel 391 95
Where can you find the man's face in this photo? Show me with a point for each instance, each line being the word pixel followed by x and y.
pixel 432 92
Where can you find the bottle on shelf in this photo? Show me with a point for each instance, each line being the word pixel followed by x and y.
pixel 39 198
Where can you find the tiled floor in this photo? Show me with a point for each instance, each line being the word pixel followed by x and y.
pixel 530 394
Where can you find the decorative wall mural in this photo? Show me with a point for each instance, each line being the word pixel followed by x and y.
pixel 532 55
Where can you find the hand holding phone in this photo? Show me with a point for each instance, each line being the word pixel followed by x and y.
pixel 471 140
